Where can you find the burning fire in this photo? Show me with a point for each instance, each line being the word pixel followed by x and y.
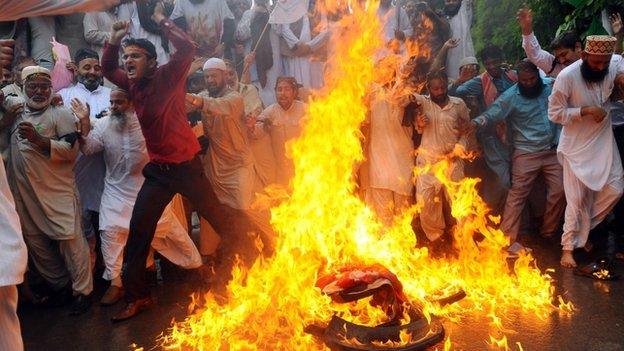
pixel 323 225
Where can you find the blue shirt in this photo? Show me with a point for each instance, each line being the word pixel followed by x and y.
pixel 474 87
pixel 527 119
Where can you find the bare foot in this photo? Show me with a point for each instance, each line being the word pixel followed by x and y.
pixel 567 260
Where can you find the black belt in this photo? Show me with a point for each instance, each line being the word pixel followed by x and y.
pixel 165 166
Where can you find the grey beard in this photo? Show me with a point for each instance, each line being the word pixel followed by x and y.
pixel 38 105
pixel 118 121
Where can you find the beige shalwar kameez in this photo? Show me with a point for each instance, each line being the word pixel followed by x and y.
pixel 390 158
pixel 439 138
pixel 46 199
pixel 282 126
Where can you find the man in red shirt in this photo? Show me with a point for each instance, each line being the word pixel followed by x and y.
pixel 158 95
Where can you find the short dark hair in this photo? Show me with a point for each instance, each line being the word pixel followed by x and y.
pixel 290 80
pixel 437 74
pixel 566 40
pixel 526 66
pixel 85 53
pixel 491 52
pixel 143 44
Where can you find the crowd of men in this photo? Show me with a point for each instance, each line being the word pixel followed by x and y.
pixel 188 106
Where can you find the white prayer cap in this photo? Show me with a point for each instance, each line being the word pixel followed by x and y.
pixel 215 63
pixel 35 71
pixel 470 60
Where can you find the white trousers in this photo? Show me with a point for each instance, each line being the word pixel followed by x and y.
pixel 170 240
pixel 10 333
pixel 586 208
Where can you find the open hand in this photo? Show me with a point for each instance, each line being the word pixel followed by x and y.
pixel 81 109
pixel 616 23
pixel 525 20
pixel 119 30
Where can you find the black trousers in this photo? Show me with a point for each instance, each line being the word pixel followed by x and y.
pixel 162 182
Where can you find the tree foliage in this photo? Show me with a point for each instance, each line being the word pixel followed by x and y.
pixel 495 21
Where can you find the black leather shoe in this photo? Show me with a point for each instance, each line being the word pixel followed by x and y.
pixel 80 305
pixel 132 309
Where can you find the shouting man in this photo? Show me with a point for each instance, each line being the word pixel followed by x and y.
pixel 158 95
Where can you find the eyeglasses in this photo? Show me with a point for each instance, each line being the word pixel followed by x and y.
pixel 39 86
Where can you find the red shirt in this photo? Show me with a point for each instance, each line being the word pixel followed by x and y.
pixel 159 100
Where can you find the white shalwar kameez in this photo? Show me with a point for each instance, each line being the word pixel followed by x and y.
pixel 592 170
pixel 297 66
pixel 125 155
pixel 89 170
pixel 390 157
pixel 13 258
pixel 460 29
pixel 439 138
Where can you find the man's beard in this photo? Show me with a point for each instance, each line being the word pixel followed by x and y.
pixel 531 92
pixel 89 83
pixel 452 10
pixel 34 105
pixel 439 100
pixel 215 90
pixel 591 75
pixel 118 120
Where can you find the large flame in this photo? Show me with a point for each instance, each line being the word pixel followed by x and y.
pixel 324 225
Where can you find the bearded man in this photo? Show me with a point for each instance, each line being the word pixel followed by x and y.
pixel 89 170
pixel 40 169
pixel 229 161
pixel 441 125
pixel 524 107
pixel 592 170
pixel 120 139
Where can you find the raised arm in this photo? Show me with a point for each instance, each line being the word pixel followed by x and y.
pixel 110 57
pixel 541 58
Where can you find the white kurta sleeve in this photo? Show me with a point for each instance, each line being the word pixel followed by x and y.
pixel 285 32
pixel 92 33
pixel 539 57
pixel 94 142
pixel 558 110
pixel 243 29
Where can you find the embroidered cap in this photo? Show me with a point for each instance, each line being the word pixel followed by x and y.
pixel 600 45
